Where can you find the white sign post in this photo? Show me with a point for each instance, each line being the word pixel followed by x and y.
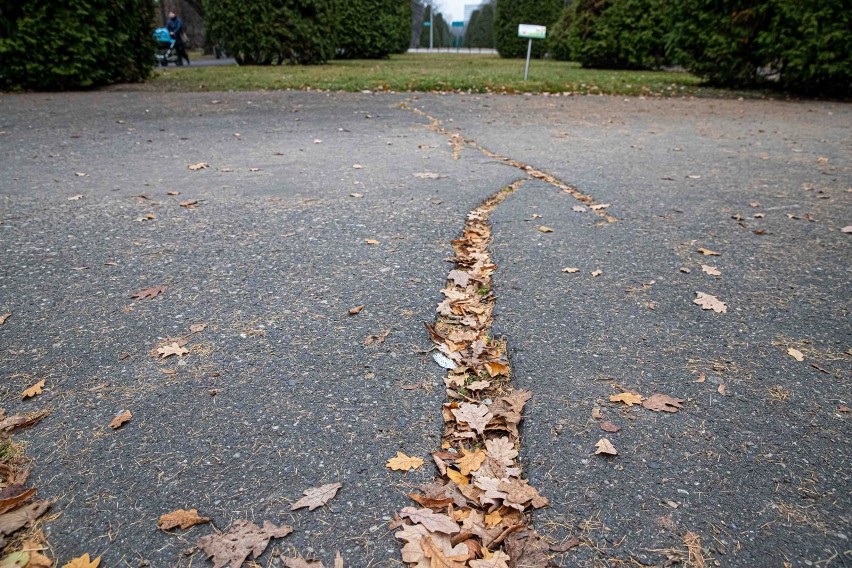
pixel 530 32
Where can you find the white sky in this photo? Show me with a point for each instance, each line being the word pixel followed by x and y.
pixel 454 7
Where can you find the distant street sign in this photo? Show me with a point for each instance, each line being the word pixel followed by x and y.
pixel 427 24
pixel 530 31
pixel 458 24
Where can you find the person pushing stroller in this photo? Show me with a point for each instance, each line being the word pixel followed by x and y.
pixel 176 31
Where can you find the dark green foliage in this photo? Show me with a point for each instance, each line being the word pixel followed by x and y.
pixel 480 28
pixel 510 13
pixel 803 46
pixel 618 34
pixel 74 44
pixel 263 32
pixel 372 29
pixel 442 35
pixel 557 37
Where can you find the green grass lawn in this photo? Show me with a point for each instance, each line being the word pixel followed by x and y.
pixel 433 72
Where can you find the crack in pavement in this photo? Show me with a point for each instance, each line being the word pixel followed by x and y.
pixel 457 140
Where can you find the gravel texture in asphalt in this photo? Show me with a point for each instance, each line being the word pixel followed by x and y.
pixel 280 393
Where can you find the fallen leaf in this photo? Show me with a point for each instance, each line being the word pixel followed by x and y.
pixel 181 518
pixel 83 562
pixel 174 192
pixel 198 166
pixel 120 419
pixel 579 209
pixel 189 204
pixel 37 559
pixel 693 547
pixel 604 446
pixel 596 273
pixel 502 450
pixel 232 548
pixel 662 402
pixel 169 371
pixel 822 160
pixel 599 206
pixel 526 548
pixel 609 427
pixel 403 462
pixel 708 252
pixel 172 349
pixel 685 270
pixel 628 398
pixel 37 388
pixel 759 215
pixel 18 421
pixel 147 293
pixel 711 270
pixel 357 166
pixel 570 270
pixel 356 310
pixel 476 416
pixel 371 241
pixel 794 353
pixel 457 477
pixel 75 197
pixel 843 408
pixel 4 317
pixel 356 195
pixel 22 517
pixel 338 560
pixel 316 496
pixel 708 302
pixel 440 559
pixel 427 175
pixel 197 327
pixel 495 368
pixel 596 413
pixel 459 277
pixel 15 560
pixel 723 390
pixel 846 229
pixel 545 229
pixel 435 522
pixel 566 545
pixel 13 496
pixel 470 461
pixel 81 174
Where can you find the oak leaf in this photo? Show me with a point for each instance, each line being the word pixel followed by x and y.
pixel 470 461
pixel 439 559
pixel 189 204
pixel 4 317
pixel 495 368
pixel 120 419
pixel 19 421
pixel 174 348
pixel 457 477
pixel 609 427
pixel 148 293
pixel 232 548
pixel 459 277
pixel 502 450
pixel 476 416
pixel 36 389
pixel 197 327
pixel 434 522
pixel 661 402
pixel 13 495
pixel 570 270
pixel 604 446
pixel 403 462
pixel 792 352
pixel 181 518
pixel 497 559
pixel 519 491
pixel 83 562
pixel 708 302
pixel 15 560
pixel 23 516
pixel 316 496
pixel 708 252
pixel 628 398
pixel 711 270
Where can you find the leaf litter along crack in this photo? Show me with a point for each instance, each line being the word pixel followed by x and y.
pixel 477 511
pixel 456 140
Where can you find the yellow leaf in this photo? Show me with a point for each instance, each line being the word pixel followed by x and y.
pixel 545 229
pixel 794 353
pixel 457 477
pixel 604 446
pixel 403 462
pixel 493 519
pixel 495 368
pixel 83 562
pixel 627 398
pixel 36 389
pixel 470 461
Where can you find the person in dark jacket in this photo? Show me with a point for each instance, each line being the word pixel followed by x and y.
pixel 175 27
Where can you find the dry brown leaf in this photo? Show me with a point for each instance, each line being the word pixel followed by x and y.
pixel 148 293
pixel 22 517
pixel 708 302
pixel 197 327
pixel 19 421
pixel 317 496
pixel 596 413
pixel 457 478
pixel 338 560
pixel 189 204
pixel 232 548
pixel 846 229
pixel 356 310
pixel 711 270
pixel 181 518
pixel 476 416
pixel 497 559
pixel 13 495
pixel 120 419
pixel 794 353
pixel 495 368
pixel 198 166
pixel 579 209
pixel 661 402
pixel 459 277
pixel 4 317
pixel 83 562
pixel 599 206
pixel 502 450
pixel 843 408
pixel 37 559
pixel 708 252
pixel 470 461
pixel 36 389
pixel 371 241
pixel 604 446
pixel 403 462
pixel 439 559
pixel 570 269
pixel 434 522
pixel 596 273
pixel 723 390
pixel 628 398
pixel 172 349
pixel 609 427
pixel 544 229
pixel 566 545
pixel 526 548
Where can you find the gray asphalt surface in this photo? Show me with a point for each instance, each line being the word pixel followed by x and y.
pixel 279 393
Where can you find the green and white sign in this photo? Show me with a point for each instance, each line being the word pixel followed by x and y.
pixel 530 31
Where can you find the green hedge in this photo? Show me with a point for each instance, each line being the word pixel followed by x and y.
pixel 510 13
pixel 442 35
pixel 480 28
pixel 372 29
pixel 557 36
pixel 263 32
pixel 75 44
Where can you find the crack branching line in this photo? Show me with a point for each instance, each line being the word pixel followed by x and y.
pixel 457 140
pixel 477 511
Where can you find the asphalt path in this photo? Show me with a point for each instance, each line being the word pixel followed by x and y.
pixel 280 393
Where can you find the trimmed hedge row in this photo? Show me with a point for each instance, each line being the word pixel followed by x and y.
pixel 510 13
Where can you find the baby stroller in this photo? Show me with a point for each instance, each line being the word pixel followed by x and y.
pixel 166 51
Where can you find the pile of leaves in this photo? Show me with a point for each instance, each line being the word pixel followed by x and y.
pixel 476 512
